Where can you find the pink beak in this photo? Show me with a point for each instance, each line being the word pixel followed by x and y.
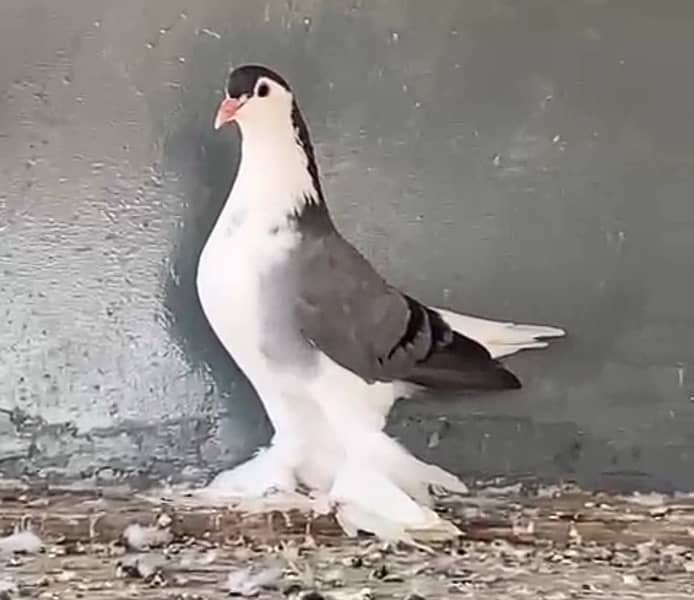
pixel 226 111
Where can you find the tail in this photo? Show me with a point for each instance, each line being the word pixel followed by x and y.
pixel 499 337
pixel 381 488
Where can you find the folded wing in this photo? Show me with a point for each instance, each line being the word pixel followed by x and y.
pixel 355 317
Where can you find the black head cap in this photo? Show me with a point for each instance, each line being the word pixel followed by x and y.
pixel 243 79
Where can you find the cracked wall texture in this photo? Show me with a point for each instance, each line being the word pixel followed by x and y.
pixel 524 160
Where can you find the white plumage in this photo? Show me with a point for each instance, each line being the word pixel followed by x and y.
pixel 328 422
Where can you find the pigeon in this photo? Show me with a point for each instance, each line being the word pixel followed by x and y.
pixel 326 342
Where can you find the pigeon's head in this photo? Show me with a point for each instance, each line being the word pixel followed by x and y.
pixel 273 131
pixel 256 98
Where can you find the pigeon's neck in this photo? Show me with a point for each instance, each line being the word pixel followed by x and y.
pixel 278 184
pixel 303 140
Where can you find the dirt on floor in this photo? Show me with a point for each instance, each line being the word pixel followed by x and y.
pixel 558 543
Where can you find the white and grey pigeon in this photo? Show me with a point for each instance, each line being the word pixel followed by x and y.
pixel 326 342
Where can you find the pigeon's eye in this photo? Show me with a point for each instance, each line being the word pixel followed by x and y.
pixel 263 90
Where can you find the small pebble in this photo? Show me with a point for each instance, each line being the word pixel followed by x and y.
pixel 380 572
pixel 164 520
pixel 65 576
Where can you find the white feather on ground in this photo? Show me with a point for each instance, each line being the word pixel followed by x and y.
pixel 20 542
pixel 8 588
pixel 251 581
pixel 140 537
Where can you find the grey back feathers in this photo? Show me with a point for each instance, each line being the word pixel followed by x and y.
pixel 349 312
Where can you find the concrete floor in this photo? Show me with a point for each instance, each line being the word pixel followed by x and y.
pixel 521 160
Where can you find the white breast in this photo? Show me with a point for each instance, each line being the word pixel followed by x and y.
pixel 251 235
pixel 239 252
pixel 228 287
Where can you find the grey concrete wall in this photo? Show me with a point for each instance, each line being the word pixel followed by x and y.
pixel 526 160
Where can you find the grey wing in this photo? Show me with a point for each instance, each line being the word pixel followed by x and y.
pixel 349 312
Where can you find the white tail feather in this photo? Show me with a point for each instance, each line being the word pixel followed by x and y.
pixel 501 338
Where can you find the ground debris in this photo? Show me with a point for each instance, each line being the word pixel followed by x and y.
pixel 8 588
pixel 138 537
pixel 250 581
pixel 148 567
pixel 556 544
